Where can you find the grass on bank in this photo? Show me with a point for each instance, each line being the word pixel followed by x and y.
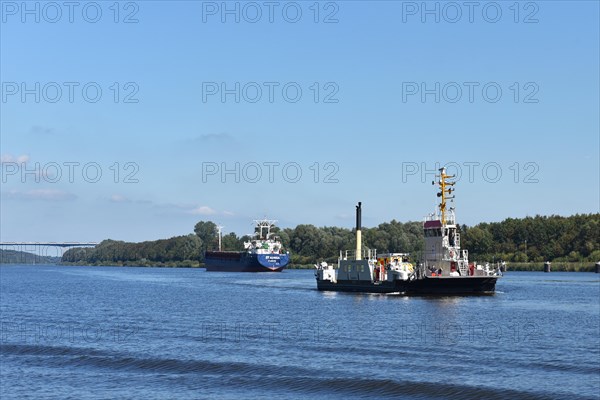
pixel 558 266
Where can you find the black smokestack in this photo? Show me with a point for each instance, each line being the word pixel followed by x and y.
pixel 358 216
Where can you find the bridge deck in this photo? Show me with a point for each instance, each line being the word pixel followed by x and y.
pixel 52 244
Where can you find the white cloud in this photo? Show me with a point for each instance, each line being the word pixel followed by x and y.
pixel 9 158
pixel 190 209
pixel 40 194
pixel 41 130
pixel 118 198
pixel 202 210
pixel 344 216
pixel 215 137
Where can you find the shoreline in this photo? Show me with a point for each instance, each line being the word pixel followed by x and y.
pixel 557 266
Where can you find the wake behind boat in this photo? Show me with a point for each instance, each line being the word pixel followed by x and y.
pixel 445 269
pixel 263 253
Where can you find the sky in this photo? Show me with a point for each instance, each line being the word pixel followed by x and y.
pixel 134 120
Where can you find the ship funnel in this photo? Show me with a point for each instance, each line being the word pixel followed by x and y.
pixel 358 232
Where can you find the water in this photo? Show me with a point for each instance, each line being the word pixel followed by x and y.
pixel 111 332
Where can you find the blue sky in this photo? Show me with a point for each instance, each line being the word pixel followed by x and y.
pixel 368 129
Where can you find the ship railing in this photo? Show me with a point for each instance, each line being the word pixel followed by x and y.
pixel 347 254
pixel 367 254
pixel 450 217
pixel 463 267
pixel 344 254
pixel 432 217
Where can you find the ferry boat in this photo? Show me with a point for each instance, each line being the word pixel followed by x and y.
pixel 444 270
pixel 263 253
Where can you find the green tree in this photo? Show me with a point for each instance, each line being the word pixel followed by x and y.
pixel 206 231
pixel 539 238
pixel 231 242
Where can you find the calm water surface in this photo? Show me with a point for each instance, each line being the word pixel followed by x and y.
pixel 151 333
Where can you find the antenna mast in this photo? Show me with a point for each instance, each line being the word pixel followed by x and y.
pixel 220 230
pixel 264 223
pixel 445 191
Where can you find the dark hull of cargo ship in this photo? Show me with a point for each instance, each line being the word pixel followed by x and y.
pixel 471 285
pixel 234 261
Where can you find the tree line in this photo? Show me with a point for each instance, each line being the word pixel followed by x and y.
pixel 537 239
pixel 23 257
pixel 530 239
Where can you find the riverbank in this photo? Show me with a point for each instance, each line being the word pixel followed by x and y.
pixel 141 263
pixel 557 266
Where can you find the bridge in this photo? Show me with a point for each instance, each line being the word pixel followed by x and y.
pixel 40 249
pixel 50 244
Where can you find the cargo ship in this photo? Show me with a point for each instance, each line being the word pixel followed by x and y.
pixel 444 270
pixel 263 253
